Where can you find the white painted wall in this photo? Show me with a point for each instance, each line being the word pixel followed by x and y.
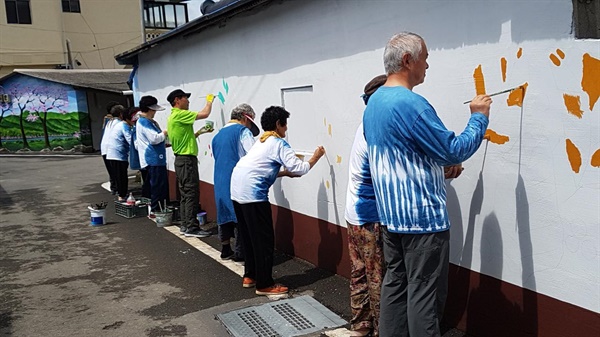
pixel 519 213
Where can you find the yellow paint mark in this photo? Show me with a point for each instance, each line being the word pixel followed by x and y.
pixel 590 81
pixel 338 160
pixel 574 156
pixel 596 159
pixel 503 66
pixel 494 137
pixel 327 183
pixel 560 53
pixel 519 53
pixel 573 105
pixel 479 81
pixel 554 60
pixel 329 129
pixel 325 121
pixel 517 96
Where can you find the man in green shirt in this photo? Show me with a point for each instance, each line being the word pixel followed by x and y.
pixel 183 142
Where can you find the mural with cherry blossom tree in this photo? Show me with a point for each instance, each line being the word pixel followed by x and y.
pixel 42 115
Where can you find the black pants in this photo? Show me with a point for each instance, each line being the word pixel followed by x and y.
pixel 159 186
pixel 255 225
pixel 186 170
pixel 415 285
pixel 145 183
pixel 119 169
pixel 231 230
pixel 111 175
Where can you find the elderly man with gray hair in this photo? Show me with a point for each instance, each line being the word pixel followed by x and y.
pixel 232 142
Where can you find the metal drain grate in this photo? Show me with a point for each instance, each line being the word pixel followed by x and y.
pixel 257 324
pixel 294 317
pixel 291 317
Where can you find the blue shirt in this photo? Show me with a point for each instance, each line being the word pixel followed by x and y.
pixel 118 141
pixel 408 146
pixel 228 148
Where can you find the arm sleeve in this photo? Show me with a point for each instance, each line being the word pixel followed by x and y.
pixel 443 145
pixel 186 117
pixel 127 133
pixel 290 161
pixel 247 140
pixel 152 135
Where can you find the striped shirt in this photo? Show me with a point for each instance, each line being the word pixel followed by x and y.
pixel 408 146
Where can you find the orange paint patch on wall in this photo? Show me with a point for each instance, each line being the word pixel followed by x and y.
pixel 338 159
pixel 574 156
pixel 590 80
pixel 503 67
pixel 554 60
pixel 573 105
pixel 519 53
pixel 479 81
pixel 327 184
pixel 560 53
pixel 517 96
pixel 494 137
pixel 595 162
pixel 329 129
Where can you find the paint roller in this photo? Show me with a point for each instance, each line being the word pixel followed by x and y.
pixel 501 92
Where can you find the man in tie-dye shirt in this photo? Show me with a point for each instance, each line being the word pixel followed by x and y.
pixel 408 147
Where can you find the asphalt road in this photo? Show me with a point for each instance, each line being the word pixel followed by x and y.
pixel 59 276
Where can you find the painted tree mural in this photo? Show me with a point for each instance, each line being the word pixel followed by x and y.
pixel 42 115
pixel 48 99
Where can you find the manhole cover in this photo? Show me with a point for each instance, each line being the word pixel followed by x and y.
pixel 291 317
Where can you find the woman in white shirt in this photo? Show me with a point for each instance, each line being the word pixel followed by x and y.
pixel 251 179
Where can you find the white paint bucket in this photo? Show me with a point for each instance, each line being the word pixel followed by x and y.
pixel 97 217
pixel 164 219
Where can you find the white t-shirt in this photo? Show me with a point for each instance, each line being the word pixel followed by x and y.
pixel 254 174
pixel 361 207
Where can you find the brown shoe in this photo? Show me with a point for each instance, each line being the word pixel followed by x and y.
pixel 276 289
pixel 248 282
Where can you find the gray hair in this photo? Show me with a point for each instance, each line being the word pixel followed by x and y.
pixel 239 111
pixel 398 46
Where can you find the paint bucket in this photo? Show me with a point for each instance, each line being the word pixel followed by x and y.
pixel 175 210
pixel 164 219
pixel 202 218
pixel 97 217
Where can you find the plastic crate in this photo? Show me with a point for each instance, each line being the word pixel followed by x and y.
pixel 132 211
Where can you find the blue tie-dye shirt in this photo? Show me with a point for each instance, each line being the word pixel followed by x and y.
pixel 118 141
pixel 150 143
pixel 408 146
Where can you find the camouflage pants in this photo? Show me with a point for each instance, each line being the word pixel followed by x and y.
pixel 367 269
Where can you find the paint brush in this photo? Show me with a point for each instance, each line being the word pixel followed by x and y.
pixel 499 92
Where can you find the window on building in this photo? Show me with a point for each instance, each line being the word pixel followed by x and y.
pixel 586 19
pixel 164 15
pixel 18 11
pixel 71 6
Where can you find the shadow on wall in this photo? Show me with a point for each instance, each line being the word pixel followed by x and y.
pixel 284 221
pixel 331 241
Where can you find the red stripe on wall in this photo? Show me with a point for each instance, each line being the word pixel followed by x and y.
pixel 478 304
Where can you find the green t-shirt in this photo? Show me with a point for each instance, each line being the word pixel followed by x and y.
pixel 180 126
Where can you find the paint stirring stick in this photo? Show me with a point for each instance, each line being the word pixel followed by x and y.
pixel 498 93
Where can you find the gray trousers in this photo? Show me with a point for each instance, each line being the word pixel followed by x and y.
pixel 415 285
pixel 186 170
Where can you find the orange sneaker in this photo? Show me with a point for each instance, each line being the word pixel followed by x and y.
pixel 248 282
pixel 276 289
